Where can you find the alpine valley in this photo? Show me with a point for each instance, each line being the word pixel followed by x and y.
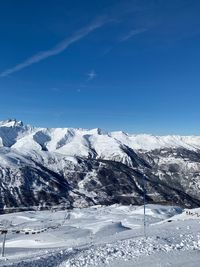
pixel 66 167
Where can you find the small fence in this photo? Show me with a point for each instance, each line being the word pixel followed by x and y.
pixel 192 213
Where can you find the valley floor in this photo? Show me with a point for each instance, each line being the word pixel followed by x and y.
pixel 102 236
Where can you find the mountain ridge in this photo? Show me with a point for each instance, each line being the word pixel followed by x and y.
pixel 79 167
pixel 135 141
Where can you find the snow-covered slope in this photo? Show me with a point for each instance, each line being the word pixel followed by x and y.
pixel 82 142
pixel 78 167
pixel 102 236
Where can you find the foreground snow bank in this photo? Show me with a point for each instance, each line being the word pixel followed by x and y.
pixel 123 252
pixel 128 250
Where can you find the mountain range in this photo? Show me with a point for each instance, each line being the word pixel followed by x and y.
pixel 67 167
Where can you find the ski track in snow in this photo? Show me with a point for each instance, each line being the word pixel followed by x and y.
pixel 108 243
pixel 103 255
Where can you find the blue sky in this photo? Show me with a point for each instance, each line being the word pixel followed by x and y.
pixel 118 65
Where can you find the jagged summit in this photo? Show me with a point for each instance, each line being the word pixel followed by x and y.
pixel 11 123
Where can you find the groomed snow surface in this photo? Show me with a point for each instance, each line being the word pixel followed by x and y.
pixel 103 236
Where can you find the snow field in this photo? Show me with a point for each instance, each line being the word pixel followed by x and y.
pixel 100 236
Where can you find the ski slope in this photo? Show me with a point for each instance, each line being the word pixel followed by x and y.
pixel 103 236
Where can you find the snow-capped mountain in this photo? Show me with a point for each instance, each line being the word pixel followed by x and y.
pixel 78 167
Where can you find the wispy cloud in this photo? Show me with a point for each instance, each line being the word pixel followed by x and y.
pixel 91 75
pixel 59 48
pixel 132 33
